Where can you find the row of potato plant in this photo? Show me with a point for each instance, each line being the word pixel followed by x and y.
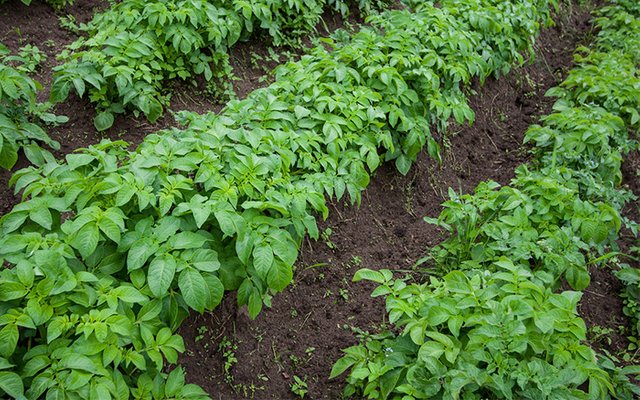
pixel 493 320
pixel 111 248
pixel 56 4
pixel 134 48
pixel 20 113
pixel 625 39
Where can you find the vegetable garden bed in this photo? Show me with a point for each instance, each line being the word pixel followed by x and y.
pixel 288 350
pixel 387 231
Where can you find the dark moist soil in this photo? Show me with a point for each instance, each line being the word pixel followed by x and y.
pixel 308 324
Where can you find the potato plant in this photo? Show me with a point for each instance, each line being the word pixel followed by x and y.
pixel 491 321
pixel 20 114
pixel 56 4
pixel 112 248
pixel 135 47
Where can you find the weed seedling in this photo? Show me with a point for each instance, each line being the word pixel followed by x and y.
pixel 299 387
pixel 295 361
pixel 201 331
pixel 309 352
pixel 228 349
pixel 326 236
pixel 601 334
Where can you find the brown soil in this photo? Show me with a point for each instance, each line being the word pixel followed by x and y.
pixel 302 334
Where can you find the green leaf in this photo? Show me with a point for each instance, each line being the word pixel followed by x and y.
pixel 11 384
pixel 262 259
pixel 129 294
pixel 301 112
pixel 175 382
pixel 216 290
pixel 78 83
pixel 205 260
pixel 187 240
pixel 8 154
pixel 629 275
pixel 341 366
pixel 244 292
pixel 200 214
pixel 280 275
pixel 110 229
pixel 60 90
pixel 79 362
pixel 5 364
pixel 103 121
pixel 86 239
pixel 388 382
pixel 403 164
pixel 577 277
pixel 55 328
pixel 41 216
pixel 12 291
pixel 544 321
pixel 8 340
pixel 255 304
pixel 140 252
pixel 369 275
pixel 437 315
pixel 230 223
pixel 150 310
pixel 161 273
pixel 193 289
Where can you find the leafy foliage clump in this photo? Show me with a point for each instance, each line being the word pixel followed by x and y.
pixel 135 47
pixel 493 325
pixel 476 334
pixel 20 113
pixel 56 4
pixel 630 277
pixel 112 248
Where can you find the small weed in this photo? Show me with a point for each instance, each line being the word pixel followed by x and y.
pixel 309 352
pixel 69 23
pixel 600 334
pixel 228 349
pixel 201 331
pixel 356 261
pixel 247 391
pixel 295 361
pixel 299 387
pixel 326 236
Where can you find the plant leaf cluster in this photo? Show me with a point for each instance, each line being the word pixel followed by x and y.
pixel 56 4
pixel 135 47
pixel 493 324
pixel 112 248
pixel 20 113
